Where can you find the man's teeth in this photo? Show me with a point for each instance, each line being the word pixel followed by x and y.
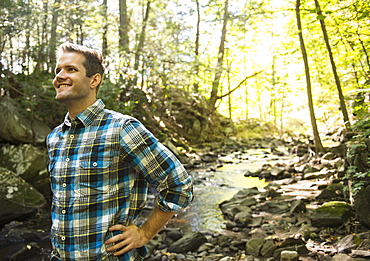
pixel 63 85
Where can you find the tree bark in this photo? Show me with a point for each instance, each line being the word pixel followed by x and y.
pixel 53 34
pixel 105 50
pixel 334 68
pixel 196 50
pixel 123 27
pixel 140 45
pixel 221 52
pixel 317 140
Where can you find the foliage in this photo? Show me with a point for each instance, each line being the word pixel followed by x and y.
pixel 358 157
pixel 255 129
pixel 261 37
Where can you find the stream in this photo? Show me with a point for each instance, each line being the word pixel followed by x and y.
pixel 212 186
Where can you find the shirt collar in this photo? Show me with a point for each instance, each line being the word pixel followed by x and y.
pixel 87 116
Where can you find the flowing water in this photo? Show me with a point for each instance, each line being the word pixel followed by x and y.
pixel 215 185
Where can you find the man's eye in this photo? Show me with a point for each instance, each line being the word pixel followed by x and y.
pixel 72 70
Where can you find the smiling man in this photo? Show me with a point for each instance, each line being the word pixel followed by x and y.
pixel 101 164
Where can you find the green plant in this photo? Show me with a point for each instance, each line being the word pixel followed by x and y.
pixel 358 157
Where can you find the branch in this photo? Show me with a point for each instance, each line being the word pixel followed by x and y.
pixel 237 87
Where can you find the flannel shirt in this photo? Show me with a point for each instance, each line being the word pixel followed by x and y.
pixel 101 164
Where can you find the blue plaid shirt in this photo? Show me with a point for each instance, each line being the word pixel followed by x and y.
pixel 101 164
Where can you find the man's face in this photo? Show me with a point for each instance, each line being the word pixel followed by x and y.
pixel 70 82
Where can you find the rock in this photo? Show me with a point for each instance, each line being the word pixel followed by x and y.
pixel 232 210
pixel 289 256
pixel 28 162
pixel 17 196
pixel 268 248
pixel 292 241
pixel 174 234
pixel 247 192
pixel 331 214
pixel 253 246
pixel 341 257
pixel 346 243
pixel 189 242
pixel 24 252
pixel 275 207
pixel 16 128
pixel 242 202
pixel 362 199
pixel 297 206
pixel 26 234
pixel 360 254
pixel 327 194
pixel 243 218
pixel 324 173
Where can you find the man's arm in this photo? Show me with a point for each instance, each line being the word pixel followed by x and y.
pixel 135 237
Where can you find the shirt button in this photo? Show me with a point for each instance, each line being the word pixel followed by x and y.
pixel 63 238
pixel 64 185
pixel 95 164
pixel 67 159
pixel 71 136
pixel 63 211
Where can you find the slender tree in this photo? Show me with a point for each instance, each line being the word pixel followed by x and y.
pixel 220 58
pixel 317 140
pixel 123 27
pixel 104 8
pixel 196 49
pixel 53 34
pixel 140 44
pixel 343 108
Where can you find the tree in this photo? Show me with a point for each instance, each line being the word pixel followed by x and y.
pixel 220 58
pixel 196 49
pixel 105 50
pixel 343 108
pixel 123 27
pixel 317 140
pixel 53 34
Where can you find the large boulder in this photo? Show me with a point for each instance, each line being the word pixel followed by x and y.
pixel 28 162
pixel 18 198
pixel 189 242
pixel 331 214
pixel 16 129
pixel 362 199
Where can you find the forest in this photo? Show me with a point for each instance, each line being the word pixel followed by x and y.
pixel 201 74
pixel 290 67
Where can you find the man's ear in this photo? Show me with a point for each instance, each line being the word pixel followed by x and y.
pixel 95 80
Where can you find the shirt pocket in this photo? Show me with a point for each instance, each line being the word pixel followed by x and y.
pixel 97 172
pixel 95 175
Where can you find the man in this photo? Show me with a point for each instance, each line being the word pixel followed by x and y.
pixel 101 164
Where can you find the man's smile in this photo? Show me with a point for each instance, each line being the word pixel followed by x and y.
pixel 63 85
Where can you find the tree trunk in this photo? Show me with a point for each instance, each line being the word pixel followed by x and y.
pixel 221 52
pixel 105 50
pixel 53 35
pixel 317 140
pixel 41 59
pixel 196 51
pixel 123 27
pixel 140 45
pixel 337 81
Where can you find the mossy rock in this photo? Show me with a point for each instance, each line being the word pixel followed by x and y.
pixel 331 214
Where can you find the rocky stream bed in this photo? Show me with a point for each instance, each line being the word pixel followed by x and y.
pixel 301 213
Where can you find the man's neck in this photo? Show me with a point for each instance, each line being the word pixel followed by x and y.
pixel 76 108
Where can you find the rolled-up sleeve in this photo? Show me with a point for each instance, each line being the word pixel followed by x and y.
pixel 158 165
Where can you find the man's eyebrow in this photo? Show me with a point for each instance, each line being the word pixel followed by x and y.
pixel 66 66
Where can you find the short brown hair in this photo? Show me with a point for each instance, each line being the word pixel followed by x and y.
pixel 94 62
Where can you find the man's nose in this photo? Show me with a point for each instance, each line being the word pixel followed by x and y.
pixel 60 75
